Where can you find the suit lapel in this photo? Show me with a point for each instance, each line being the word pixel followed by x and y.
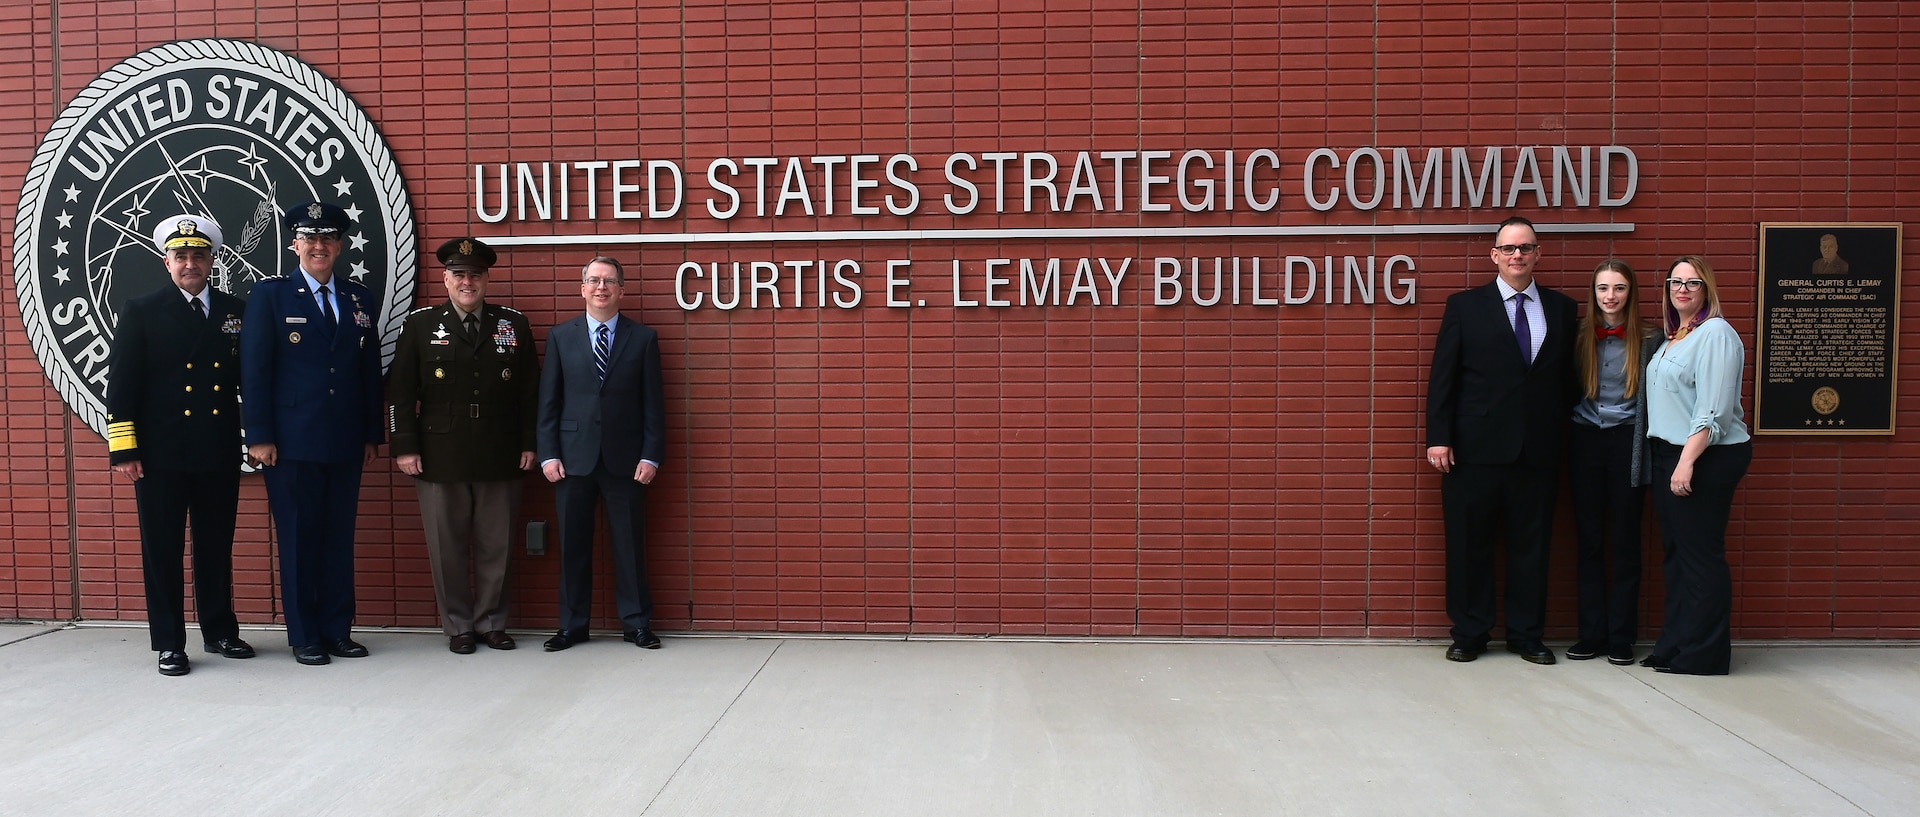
pixel 1503 329
pixel 305 303
pixel 188 323
pixel 1555 326
pixel 575 345
pixel 623 332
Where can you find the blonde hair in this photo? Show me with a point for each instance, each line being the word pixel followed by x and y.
pixel 1670 317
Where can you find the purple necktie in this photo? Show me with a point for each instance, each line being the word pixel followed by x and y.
pixel 1522 330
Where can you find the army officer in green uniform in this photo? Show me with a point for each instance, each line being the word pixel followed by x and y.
pixel 460 420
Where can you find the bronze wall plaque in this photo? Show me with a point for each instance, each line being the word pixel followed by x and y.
pixel 1829 323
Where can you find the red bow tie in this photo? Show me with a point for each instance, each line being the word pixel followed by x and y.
pixel 1604 332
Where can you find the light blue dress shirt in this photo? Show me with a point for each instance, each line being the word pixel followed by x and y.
pixel 333 292
pixel 1694 383
pixel 1536 314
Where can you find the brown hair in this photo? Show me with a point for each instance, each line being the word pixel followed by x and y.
pixel 619 275
pixel 1587 347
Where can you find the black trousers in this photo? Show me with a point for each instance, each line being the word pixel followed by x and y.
pixel 626 501
pixel 1696 636
pixel 1483 503
pixel 165 500
pixel 1607 509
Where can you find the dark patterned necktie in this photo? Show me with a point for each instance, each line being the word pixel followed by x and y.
pixel 199 308
pixel 602 349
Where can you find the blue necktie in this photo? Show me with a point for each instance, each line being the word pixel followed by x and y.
pixel 1522 329
pixel 602 349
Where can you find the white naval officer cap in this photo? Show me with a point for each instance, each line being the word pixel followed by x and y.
pixel 187 230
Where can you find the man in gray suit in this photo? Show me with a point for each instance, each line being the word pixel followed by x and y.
pixel 602 435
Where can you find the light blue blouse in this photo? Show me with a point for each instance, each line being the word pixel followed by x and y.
pixel 1694 383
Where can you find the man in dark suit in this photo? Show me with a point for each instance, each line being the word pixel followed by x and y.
pixel 173 427
pixel 310 355
pixel 602 435
pixel 460 418
pixel 1501 393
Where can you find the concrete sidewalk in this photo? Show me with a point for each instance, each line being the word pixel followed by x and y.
pixel 839 728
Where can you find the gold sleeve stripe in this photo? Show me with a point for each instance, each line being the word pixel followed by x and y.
pixel 120 437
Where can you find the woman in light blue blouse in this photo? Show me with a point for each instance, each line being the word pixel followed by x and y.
pixel 1608 466
pixel 1701 449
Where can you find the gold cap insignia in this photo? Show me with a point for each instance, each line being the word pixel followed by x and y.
pixel 466 248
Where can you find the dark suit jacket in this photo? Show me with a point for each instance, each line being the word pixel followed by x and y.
pixel 1483 400
pixel 173 388
pixel 465 405
pixel 583 421
pixel 313 394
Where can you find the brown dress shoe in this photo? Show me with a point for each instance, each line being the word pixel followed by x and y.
pixel 461 644
pixel 498 639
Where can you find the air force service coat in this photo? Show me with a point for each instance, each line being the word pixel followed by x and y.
pixel 312 393
pixel 173 400
pixel 464 404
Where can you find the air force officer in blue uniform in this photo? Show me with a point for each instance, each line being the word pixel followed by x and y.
pixel 311 404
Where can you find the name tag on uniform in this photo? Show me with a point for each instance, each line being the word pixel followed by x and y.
pixel 296 320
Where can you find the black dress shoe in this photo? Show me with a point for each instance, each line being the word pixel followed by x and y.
pixel 461 644
pixel 1464 652
pixel 345 648
pixel 1586 649
pixel 174 662
pixel 231 648
pixel 644 639
pixel 564 639
pixel 1655 661
pixel 311 656
pixel 1533 651
pixel 498 639
pixel 1620 656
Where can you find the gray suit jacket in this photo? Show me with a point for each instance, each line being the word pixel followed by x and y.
pixel 585 422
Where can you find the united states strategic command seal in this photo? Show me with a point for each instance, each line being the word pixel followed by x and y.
pixel 223 128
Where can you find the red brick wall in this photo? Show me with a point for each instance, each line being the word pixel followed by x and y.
pixel 1066 470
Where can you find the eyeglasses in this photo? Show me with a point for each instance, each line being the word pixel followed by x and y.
pixel 596 282
pixel 1688 284
pixel 1515 249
